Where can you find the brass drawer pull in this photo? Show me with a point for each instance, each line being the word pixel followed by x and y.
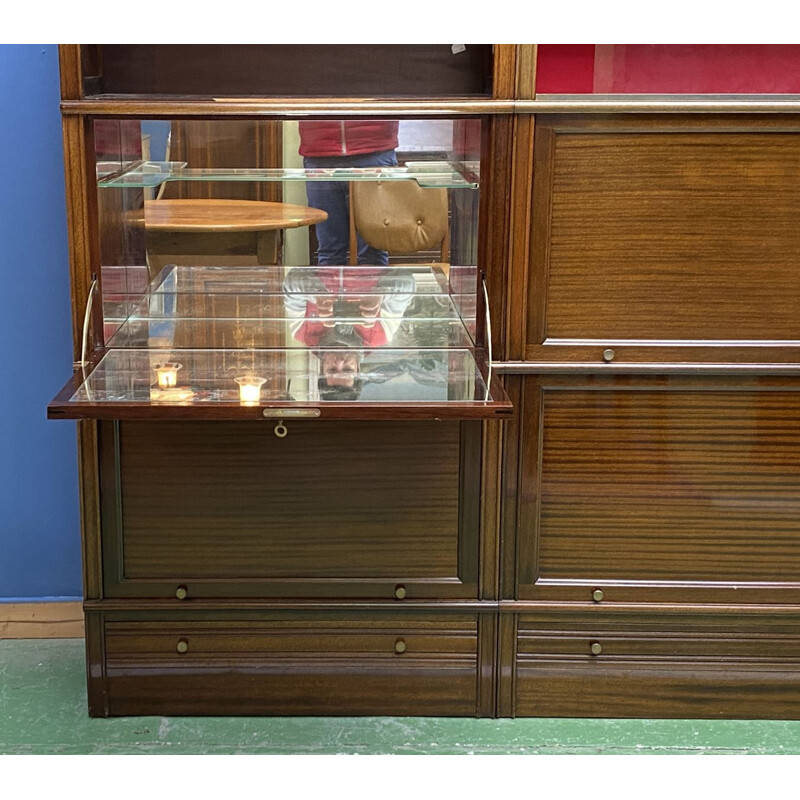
pixel 400 646
pixel 597 595
pixel 400 591
pixel 182 646
pixel 595 648
pixel 181 592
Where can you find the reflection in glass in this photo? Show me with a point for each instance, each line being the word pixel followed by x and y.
pixel 344 375
pixel 236 193
pixel 219 287
pixel 239 308
pixel 346 307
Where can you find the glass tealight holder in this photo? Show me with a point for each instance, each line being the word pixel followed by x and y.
pixel 167 374
pixel 250 388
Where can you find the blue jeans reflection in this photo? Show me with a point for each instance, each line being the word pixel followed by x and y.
pixel 333 197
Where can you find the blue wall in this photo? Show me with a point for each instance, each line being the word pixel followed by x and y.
pixel 39 516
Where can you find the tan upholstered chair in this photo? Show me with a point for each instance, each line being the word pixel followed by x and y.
pixel 401 218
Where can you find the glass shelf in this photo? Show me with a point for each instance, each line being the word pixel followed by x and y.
pixel 284 383
pixel 274 279
pixel 366 307
pixel 147 174
pixel 429 175
pixel 287 376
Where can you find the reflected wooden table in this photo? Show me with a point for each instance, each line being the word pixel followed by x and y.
pixel 214 227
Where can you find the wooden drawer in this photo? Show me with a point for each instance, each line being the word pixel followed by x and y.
pixel 301 663
pixel 646 664
pixel 613 645
pixel 327 639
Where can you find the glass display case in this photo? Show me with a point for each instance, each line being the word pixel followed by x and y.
pixel 274 279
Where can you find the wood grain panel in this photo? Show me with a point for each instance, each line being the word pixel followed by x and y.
pixel 347 500
pixel 82 225
pixel 97 695
pixel 504 70
pixel 323 635
pixel 511 498
pixel 520 207
pixel 493 229
pixel 657 230
pixel 88 479
pixel 653 489
pixel 659 690
pixel 526 71
pixel 506 663
pixel 669 485
pixel 656 664
pixel 489 505
pixel 70 72
pixel 295 664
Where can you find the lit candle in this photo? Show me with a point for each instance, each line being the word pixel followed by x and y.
pixel 250 388
pixel 167 374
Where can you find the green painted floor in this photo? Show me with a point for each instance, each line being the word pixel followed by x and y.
pixel 43 711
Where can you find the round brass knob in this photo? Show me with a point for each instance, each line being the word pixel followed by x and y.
pixel 182 646
pixel 181 592
pixel 608 354
pixel 400 646
pixel 400 592
pixel 596 648
pixel 597 595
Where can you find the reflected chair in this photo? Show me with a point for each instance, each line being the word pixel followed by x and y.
pixel 401 218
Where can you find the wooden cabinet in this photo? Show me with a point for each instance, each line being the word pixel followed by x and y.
pixel 571 488
pixel 650 488
pixel 324 544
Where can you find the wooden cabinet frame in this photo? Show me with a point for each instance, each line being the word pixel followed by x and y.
pixel 515 639
pixel 112 601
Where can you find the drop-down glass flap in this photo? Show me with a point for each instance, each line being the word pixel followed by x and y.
pixel 233 342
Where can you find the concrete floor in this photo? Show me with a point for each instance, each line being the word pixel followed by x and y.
pixel 43 711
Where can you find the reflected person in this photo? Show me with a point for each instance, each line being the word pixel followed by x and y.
pixel 339 378
pixel 366 305
pixel 344 144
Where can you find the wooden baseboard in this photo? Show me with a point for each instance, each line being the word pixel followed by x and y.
pixel 41 620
